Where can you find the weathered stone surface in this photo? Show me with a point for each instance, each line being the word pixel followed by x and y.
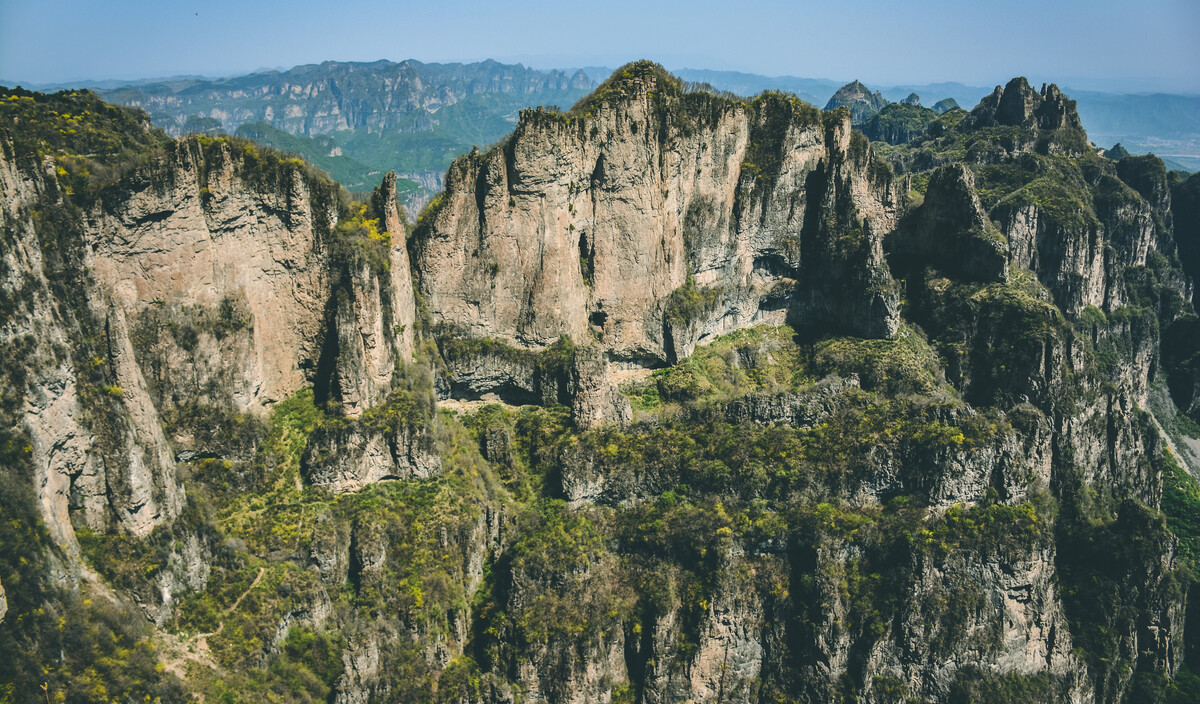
pixel 166 242
pixel 107 462
pixel 653 235
pixel 1019 105
pixel 945 105
pixel 350 455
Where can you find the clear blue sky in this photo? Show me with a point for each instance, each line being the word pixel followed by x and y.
pixel 1147 45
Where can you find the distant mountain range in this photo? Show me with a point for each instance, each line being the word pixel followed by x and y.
pixel 1166 124
pixel 359 120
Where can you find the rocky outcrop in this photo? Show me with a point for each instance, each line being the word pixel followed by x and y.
pixel 1049 115
pixel 374 312
pixel 1019 105
pixel 198 229
pixel 1076 247
pixel 951 231
pixel 652 221
pixel 396 443
pixel 1116 153
pixel 595 399
pixel 245 286
pixel 859 99
pixel 563 373
pixel 912 99
pixel 799 410
pixel 193 286
pixel 1014 624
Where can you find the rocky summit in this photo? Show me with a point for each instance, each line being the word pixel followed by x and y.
pixel 672 396
pixel 861 102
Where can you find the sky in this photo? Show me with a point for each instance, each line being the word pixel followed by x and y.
pixel 1146 46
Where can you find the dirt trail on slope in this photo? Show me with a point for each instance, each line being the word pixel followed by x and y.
pixel 202 638
pixel 179 650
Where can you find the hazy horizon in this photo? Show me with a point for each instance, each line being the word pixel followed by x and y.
pixel 1071 43
pixel 1077 83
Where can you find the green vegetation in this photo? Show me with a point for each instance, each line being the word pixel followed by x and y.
pixel 773 115
pixel 1181 505
pixel 690 302
pixel 756 359
pixel 977 687
pixel 75 123
pixel 58 644
pixel 993 336
pixel 628 82
pixel 197 124
pixel 768 359
pixel 897 123
pixel 1096 560
pixel 358 241
pixel 905 365
pixel 421 581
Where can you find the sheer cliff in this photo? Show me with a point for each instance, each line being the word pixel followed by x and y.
pixel 668 397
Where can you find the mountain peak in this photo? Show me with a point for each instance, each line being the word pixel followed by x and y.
pixel 1117 153
pixel 631 80
pixel 859 99
pixel 945 105
pixel 1018 104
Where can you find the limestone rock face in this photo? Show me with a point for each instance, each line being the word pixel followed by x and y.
pixel 168 243
pixel 900 123
pixel 651 221
pixel 97 444
pixel 202 280
pixel 1018 628
pixel 1077 254
pixel 350 455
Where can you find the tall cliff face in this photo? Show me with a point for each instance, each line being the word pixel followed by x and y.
pixel 193 242
pixel 97 448
pixel 650 220
pixel 200 280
